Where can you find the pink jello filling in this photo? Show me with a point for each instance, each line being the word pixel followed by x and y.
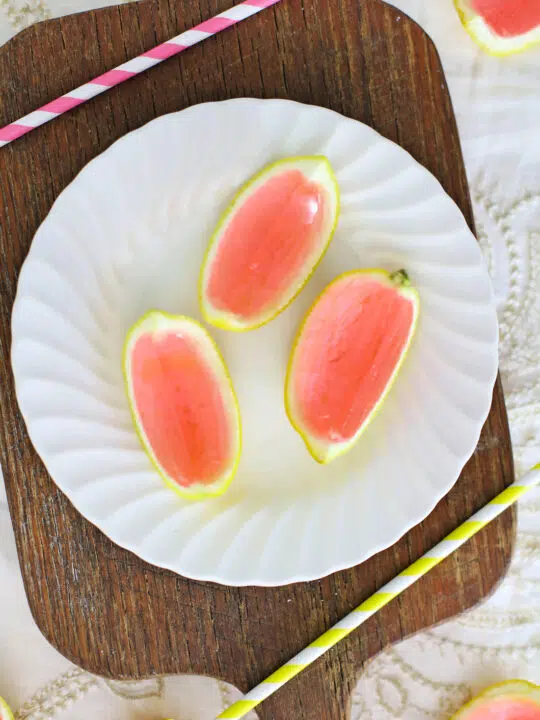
pixel 267 242
pixel 349 348
pixel 506 709
pixel 509 18
pixel 181 409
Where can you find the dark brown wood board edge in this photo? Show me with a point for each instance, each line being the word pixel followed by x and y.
pixel 99 605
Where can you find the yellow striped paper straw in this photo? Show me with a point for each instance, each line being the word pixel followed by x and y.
pixel 383 596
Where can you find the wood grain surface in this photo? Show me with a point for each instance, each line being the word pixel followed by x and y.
pixel 99 605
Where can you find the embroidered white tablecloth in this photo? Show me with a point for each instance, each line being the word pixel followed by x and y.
pixel 497 103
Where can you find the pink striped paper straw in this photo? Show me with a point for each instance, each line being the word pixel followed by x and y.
pixel 131 68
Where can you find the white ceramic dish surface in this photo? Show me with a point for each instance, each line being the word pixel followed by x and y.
pixel 129 235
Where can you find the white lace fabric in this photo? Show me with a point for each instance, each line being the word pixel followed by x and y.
pixel 497 103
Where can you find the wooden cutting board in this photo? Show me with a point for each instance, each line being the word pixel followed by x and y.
pixel 99 605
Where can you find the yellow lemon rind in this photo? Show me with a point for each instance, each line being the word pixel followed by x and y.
pixel 325 453
pixel 168 320
pixel 491 43
pixel 519 689
pixel 226 321
pixel 5 710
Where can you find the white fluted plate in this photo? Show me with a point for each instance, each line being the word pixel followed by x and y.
pixel 129 235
